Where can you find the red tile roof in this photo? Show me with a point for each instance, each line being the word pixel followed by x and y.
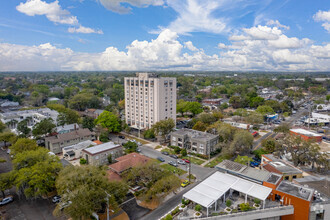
pixel 128 161
pixel 270 168
pixel 113 176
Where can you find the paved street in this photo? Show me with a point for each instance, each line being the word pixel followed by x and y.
pixel 198 171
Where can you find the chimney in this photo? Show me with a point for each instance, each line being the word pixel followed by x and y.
pixel 75 126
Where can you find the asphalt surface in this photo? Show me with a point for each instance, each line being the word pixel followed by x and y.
pixel 132 209
pixel 199 171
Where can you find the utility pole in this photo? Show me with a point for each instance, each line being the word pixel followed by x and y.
pixel 108 217
pixel 189 167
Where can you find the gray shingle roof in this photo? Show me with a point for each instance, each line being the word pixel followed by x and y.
pixel 69 136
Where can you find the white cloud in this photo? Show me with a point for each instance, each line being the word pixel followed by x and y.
pixel 54 13
pixel 326 26
pixel 116 5
pixel 222 46
pixel 323 16
pixel 276 23
pixel 166 52
pixel 197 16
pixel 84 30
pixel 189 45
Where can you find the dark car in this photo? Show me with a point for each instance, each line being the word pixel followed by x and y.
pixel 121 137
pixel 165 153
pixel 174 156
pixel 161 159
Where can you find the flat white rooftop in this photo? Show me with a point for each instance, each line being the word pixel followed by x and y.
pixel 304 132
pixel 214 187
pixel 101 147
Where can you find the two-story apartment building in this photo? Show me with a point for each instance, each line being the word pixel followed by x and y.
pixel 56 143
pixel 149 99
pixel 194 141
pixel 98 155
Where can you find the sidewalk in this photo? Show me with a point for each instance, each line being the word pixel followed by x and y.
pixel 149 143
pixel 208 161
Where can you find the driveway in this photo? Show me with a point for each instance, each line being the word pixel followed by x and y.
pixel 132 209
pixel 21 209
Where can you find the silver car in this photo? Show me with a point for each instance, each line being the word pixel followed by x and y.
pixel 181 162
pixel 7 200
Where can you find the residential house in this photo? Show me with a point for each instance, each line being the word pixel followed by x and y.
pixel 195 141
pixel 75 151
pixel 125 163
pixel 58 142
pixel 66 128
pixel 98 155
pixel 273 164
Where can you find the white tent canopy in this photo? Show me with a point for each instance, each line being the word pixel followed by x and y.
pixel 214 187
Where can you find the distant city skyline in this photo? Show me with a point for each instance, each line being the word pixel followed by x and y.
pixel 138 35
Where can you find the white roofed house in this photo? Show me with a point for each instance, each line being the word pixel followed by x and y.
pixel 75 151
pixel 98 155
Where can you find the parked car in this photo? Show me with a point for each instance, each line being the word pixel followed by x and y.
pixel 174 156
pixel 173 163
pixel 138 150
pixel 121 137
pixel 6 200
pixel 165 153
pixel 56 199
pixel 186 160
pixel 161 159
pixel 182 162
pixel 185 183
pixel 254 164
pixel 256 159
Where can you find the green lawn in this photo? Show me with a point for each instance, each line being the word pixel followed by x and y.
pixel 217 160
pixel 173 169
pixel 194 160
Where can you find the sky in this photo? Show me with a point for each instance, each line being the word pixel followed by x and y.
pixel 150 35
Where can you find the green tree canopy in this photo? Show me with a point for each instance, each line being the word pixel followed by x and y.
pixel 35 172
pixel 23 129
pixel 86 187
pixel 23 144
pixel 68 116
pixel 199 126
pixel 6 182
pixel 282 128
pixel 43 127
pixel 164 127
pixel 88 122
pixel 194 108
pixel 8 137
pixel 2 126
pixel 110 121
pixel 241 143
pixel 265 110
pixel 130 147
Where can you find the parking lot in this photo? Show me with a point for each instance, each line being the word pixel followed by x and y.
pixel 21 208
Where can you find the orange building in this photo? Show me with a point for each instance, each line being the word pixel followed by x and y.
pixel 306 135
pixel 292 194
